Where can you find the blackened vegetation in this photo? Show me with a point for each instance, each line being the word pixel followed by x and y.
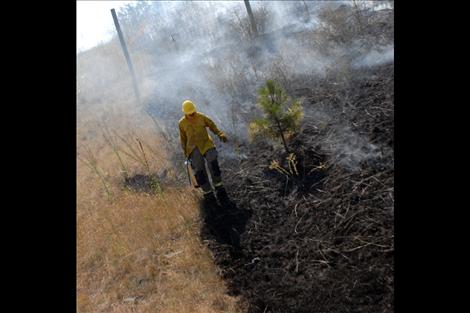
pixel 139 183
pixel 224 222
pixel 150 183
pixel 322 240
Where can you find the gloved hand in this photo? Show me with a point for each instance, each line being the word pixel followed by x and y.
pixel 223 138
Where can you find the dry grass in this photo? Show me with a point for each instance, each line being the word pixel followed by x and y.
pixel 138 252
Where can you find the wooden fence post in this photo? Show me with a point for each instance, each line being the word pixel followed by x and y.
pixel 126 54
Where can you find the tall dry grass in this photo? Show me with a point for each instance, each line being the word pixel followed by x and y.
pixel 139 252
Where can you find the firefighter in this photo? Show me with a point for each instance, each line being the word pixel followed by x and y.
pixel 199 148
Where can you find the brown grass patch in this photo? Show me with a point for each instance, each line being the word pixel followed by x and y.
pixel 138 252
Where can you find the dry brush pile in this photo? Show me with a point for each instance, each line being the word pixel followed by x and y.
pixel 320 233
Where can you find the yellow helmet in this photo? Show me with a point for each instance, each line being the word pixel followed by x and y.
pixel 188 107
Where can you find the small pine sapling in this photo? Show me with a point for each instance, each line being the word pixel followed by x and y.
pixel 280 113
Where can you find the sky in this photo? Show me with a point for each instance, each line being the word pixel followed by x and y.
pixel 95 23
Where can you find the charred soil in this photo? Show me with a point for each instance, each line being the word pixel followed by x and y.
pixel 315 233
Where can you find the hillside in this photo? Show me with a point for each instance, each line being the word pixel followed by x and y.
pixel 315 228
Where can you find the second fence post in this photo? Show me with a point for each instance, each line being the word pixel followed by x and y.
pixel 126 54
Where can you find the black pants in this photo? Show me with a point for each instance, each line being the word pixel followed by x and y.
pixel 198 165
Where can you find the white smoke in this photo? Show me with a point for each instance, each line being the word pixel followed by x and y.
pixel 376 56
pixel 197 54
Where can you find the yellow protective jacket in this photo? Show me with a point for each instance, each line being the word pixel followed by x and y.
pixel 193 133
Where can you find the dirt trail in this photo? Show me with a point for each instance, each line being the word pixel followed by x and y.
pixel 320 241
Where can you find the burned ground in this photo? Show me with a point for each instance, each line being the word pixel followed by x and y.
pixel 317 238
pixel 149 183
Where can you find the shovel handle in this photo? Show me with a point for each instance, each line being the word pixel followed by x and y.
pixel 187 170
